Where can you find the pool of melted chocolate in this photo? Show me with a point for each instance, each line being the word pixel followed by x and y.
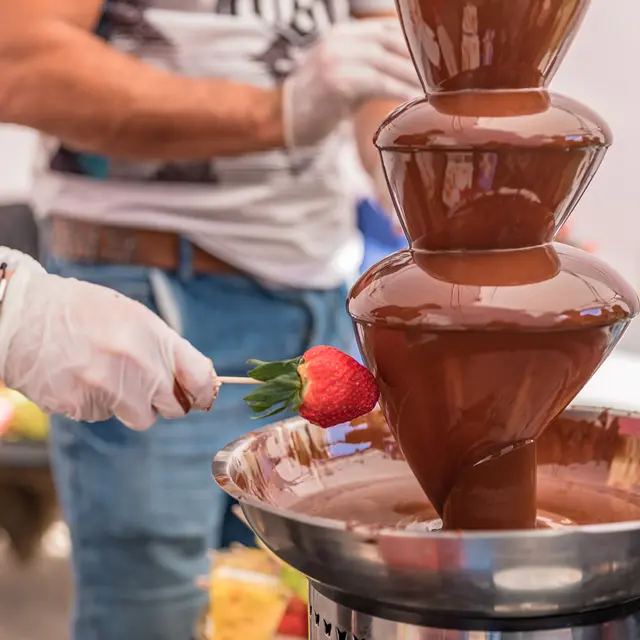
pixel 400 503
pixel 588 472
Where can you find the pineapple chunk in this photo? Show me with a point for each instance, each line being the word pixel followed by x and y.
pixel 245 604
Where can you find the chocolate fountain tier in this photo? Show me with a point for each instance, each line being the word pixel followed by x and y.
pixel 489 170
pixel 466 120
pixel 342 506
pixel 474 354
pixel 489 44
pixel 554 286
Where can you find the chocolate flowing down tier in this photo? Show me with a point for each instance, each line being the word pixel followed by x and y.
pixel 475 353
pixel 491 170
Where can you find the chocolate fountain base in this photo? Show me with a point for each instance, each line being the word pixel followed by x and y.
pixel 561 571
pixel 335 616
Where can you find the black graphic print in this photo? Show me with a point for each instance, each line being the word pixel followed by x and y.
pixel 194 172
pixel 127 18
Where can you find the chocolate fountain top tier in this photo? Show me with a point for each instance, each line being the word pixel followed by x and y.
pixel 545 287
pixel 489 44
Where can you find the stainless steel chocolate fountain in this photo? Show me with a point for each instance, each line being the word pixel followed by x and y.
pixel 387 583
pixel 471 506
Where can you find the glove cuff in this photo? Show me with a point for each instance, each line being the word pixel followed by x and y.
pixel 22 268
pixel 308 121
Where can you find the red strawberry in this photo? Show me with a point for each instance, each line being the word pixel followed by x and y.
pixel 325 386
pixel 294 623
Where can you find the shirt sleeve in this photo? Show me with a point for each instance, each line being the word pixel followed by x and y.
pixel 372 7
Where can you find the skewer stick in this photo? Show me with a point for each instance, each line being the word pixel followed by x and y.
pixel 237 380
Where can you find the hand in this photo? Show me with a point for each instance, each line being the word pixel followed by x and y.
pixel 356 62
pixel 90 353
pixel 382 194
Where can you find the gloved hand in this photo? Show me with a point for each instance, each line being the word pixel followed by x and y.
pixel 90 353
pixel 355 62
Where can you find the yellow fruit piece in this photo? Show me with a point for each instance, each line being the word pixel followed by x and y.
pixel 247 559
pixel 245 604
pixel 28 420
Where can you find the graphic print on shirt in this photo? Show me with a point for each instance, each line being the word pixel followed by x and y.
pixel 281 31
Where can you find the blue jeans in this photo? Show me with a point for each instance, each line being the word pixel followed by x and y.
pixel 143 508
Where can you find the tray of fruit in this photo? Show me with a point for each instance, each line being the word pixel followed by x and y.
pixel 252 594
pixel 24 431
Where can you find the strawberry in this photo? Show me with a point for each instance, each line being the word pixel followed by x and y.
pixel 325 386
pixel 294 623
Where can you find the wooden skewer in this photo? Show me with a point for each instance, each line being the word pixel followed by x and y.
pixel 237 380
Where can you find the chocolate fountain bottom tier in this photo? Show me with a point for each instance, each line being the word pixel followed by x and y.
pixel 341 505
pixel 474 354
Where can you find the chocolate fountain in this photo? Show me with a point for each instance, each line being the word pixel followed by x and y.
pixel 483 500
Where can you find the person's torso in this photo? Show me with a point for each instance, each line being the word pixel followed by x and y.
pixel 285 216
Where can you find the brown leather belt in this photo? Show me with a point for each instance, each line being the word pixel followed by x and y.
pixel 88 242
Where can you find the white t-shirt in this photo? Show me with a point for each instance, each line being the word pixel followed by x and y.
pixel 286 217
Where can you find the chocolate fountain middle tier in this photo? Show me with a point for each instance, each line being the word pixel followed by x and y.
pixel 475 353
pixel 489 170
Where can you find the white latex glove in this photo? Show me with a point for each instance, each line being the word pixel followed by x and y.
pixel 88 352
pixel 355 62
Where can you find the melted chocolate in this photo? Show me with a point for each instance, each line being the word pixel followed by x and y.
pixel 489 44
pixel 489 171
pixel 484 331
pixel 467 369
pixel 377 504
pixel 577 474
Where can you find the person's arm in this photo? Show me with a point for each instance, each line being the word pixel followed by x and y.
pixel 370 116
pixel 366 122
pixel 58 78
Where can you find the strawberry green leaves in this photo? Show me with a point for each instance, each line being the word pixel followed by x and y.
pixel 281 389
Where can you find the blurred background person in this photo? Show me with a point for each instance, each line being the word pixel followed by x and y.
pixel 247 254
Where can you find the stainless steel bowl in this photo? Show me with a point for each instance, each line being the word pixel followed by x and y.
pixel 485 574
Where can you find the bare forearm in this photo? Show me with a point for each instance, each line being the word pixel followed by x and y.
pixel 67 83
pixel 367 121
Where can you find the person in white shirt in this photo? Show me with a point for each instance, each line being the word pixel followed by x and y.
pixel 198 159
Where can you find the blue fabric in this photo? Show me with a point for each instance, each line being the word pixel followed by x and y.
pixel 143 508
pixel 380 237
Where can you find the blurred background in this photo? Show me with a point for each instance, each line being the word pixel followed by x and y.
pixel 599 71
